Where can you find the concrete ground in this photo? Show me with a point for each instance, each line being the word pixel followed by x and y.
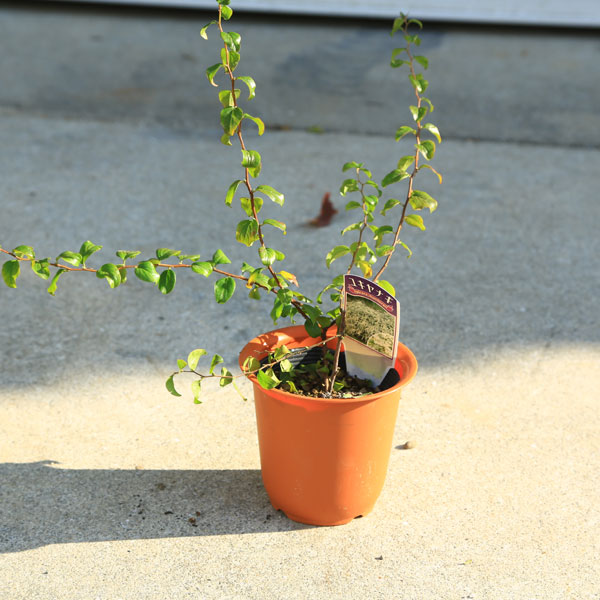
pixel 110 488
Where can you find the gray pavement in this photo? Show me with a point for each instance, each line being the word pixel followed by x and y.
pixel 107 132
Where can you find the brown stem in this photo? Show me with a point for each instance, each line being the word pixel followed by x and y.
pixel 246 170
pixel 338 349
pixel 364 223
pixel 412 175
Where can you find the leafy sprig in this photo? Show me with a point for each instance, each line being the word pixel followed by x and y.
pixel 371 245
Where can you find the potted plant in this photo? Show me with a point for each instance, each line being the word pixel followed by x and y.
pixel 325 435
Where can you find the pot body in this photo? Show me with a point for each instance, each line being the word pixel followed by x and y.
pixel 324 461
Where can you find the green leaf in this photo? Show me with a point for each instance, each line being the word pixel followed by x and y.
pixel 24 252
pixel 164 253
pixel 203 30
pixel 415 221
pixel 379 232
pixel 227 97
pixel 417 112
pixel 146 271
pixel 428 102
pixel 11 269
pixel 422 60
pixel 419 200
pixel 251 160
pixel 257 277
pixel 251 364
pixel 271 193
pixel 439 175
pixel 54 282
pixel 247 205
pixel 394 176
pixel 219 258
pixel 226 377
pixel 196 387
pixel 416 22
pixel 247 232
pixel 126 254
pixel 231 191
pixel 41 268
pixel 190 257
pixel 234 59
pixel 250 83
pixel 352 227
pixel 217 359
pixel 111 273
pixel 397 51
pixel 387 286
pixel 280 352
pixel 353 204
pixel 267 256
pixel 404 130
pixel 236 39
pixel 203 268
pixel 212 71
pixel 390 204
pixel 426 148
pixel 224 289
pixel 351 165
pixel 194 357
pixel 181 364
pixel 87 249
pixel 405 162
pixel 73 258
pixel 371 201
pixel 433 130
pixel 258 121
pixel 336 253
pixel 399 24
pixel 348 185
pixel 384 250
pixel 286 366
pixel 166 281
pixel 398 62
pixel 225 140
pixel 267 379
pixel 365 267
pixel 170 385
pixel 226 12
pixel 400 243
pixel 275 223
pixel 419 82
pixel 412 39
pixel 231 117
pixel 312 328
pixel 226 37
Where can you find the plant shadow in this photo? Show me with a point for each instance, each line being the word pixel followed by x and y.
pixel 42 504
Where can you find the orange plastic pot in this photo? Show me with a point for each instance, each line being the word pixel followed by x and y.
pixel 324 461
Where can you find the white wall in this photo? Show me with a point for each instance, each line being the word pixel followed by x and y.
pixel 580 13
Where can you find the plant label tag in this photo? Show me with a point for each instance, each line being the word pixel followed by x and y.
pixel 372 327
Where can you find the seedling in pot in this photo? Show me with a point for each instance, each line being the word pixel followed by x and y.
pixel 369 254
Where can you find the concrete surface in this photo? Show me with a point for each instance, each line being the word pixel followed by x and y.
pixel 101 470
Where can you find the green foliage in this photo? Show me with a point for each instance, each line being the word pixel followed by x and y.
pixel 10 271
pixel 224 289
pixel 271 193
pixel 146 271
pixel 54 282
pixel 166 281
pixel 111 273
pixel 371 240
